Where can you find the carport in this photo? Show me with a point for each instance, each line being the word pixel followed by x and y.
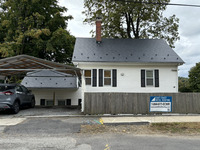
pixel 23 64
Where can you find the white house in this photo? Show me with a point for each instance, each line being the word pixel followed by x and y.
pixel 109 65
pixel 126 65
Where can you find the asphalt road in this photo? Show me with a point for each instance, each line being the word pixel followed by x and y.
pixel 49 126
pixel 98 142
pixel 143 142
pixel 64 134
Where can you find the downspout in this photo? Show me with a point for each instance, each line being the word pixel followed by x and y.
pixel 54 98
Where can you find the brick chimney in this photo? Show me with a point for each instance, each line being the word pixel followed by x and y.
pixel 98 30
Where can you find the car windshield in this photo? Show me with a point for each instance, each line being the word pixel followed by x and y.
pixel 5 88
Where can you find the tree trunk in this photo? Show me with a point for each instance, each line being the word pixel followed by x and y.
pixel 137 28
pixel 128 25
pixel 133 26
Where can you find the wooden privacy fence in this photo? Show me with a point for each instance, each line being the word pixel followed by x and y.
pixel 137 103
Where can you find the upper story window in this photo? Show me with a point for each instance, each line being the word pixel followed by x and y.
pixel 88 77
pixel 149 78
pixel 107 77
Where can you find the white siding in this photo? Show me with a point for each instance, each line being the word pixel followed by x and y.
pixel 60 94
pixel 129 77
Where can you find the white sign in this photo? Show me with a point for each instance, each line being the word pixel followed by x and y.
pixel 160 104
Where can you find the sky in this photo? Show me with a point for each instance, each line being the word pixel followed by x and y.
pixel 188 47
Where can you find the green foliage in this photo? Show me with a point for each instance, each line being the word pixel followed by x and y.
pixel 35 27
pixel 132 20
pixel 183 84
pixel 61 43
pixel 194 78
pixel 15 78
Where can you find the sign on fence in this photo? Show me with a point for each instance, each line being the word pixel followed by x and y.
pixel 160 104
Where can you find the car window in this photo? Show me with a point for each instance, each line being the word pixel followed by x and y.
pixel 19 89
pixel 24 89
pixel 5 88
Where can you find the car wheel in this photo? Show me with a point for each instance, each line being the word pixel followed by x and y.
pixel 15 107
pixel 32 104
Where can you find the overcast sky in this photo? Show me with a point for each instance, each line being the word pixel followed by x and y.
pixel 189 29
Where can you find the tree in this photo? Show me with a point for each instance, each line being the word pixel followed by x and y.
pixel 132 20
pixel 194 78
pixel 183 84
pixel 37 28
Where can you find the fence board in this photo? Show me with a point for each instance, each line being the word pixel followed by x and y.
pixel 137 103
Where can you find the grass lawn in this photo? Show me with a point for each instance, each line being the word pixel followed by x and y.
pixel 154 128
pixel 180 128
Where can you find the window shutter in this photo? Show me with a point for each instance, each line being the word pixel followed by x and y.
pixel 156 78
pixel 42 102
pixel 142 78
pixel 100 77
pixel 114 77
pixel 94 77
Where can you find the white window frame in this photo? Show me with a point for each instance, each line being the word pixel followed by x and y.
pixel 149 78
pixel 107 77
pixel 88 77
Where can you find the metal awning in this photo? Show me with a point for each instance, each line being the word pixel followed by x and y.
pixel 25 63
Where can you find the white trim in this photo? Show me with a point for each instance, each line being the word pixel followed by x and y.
pixel 107 77
pixel 127 63
pixel 153 70
pixel 88 77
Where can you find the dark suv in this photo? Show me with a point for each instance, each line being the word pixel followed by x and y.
pixel 13 96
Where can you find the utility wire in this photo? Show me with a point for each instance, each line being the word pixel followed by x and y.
pixel 156 3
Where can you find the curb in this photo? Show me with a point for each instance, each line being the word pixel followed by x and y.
pixel 127 123
pixel 57 116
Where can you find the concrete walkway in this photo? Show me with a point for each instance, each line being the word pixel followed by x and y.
pixel 150 119
pixel 14 119
pixel 11 121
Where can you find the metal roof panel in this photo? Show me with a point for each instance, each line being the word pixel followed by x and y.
pixel 124 50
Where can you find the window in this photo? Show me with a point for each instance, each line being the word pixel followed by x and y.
pixel 19 89
pixel 107 77
pixel 101 77
pixel 42 102
pixel 4 88
pixel 79 102
pixel 25 90
pixel 61 102
pixel 49 103
pixel 69 102
pixel 88 78
pixel 149 78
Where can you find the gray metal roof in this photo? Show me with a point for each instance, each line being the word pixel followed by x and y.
pixel 124 50
pixel 49 79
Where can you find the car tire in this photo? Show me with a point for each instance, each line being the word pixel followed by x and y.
pixel 32 104
pixel 16 107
